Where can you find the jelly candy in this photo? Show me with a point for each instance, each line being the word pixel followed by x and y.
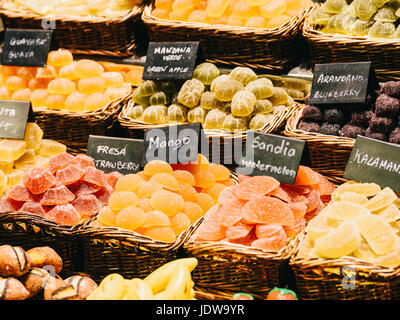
pixel 382 199
pixel 168 202
pixel 157 166
pixel 193 211
pixel 197 114
pixel 164 234
pixel 20 193
pixel 234 124
pixel 256 186
pixel 88 69
pixel 344 210
pixel 155 114
pixel 61 161
pixel 190 93
pixel 215 9
pixel 225 89
pixel 60 58
pixel 129 182
pixel 38 180
pixel 57 195
pixel 238 230
pixel 122 199
pixel 206 72
pixel 259 121
pixel 334 6
pixel 156 219
pixel 176 114
pixel 64 214
pixel 382 30
pixel 215 119
pixel 9 205
pixel 179 223
pixel 210 229
pixel 61 86
pixel 159 98
pixel 261 88
pixel 33 207
pixel 243 103
pixel 209 101
pixel 130 218
pixel 243 75
pixel 365 9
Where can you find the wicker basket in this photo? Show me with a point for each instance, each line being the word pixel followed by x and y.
pixel 29 231
pixel 336 48
pixel 73 128
pixel 329 154
pixel 319 279
pixel 226 268
pixel 221 143
pixel 118 37
pixel 275 49
pixel 108 250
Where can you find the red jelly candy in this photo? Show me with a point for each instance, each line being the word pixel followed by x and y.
pixel 69 174
pixel 112 178
pixel 80 188
pixel 56 196
pixel 61 161
pixel 33 207
pixel 9 205
pixel 94 176
pixel 64 214
pixel 38 180
pixel 104 194
pixel 87 205
pixel 20 193
pixel 84 161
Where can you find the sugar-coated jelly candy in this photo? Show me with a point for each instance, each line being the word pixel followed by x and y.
pixel 95 101
pixel 273 9
pixel 55 101
pixel 88 69
pixel 22 95
pixel 263 107
pixel 14 83
pixel 256 22
pixel 198 16
pixel 197 114
pixel 216 8
pixel 33 136
pixel 365 9
pixel 206 72
pixel 243 103
pixel 115 93
pixel 159 98
pixel 382 30
pixel 243 74
pixel 209 101
pixel 176 113
pixel 137 112
pixel 215 119
pixel 280 96
pixel 39 97
pixel 259 121
pixel 50 148
pixel 48 72
pixel 334 6
pixel 278 21
pixel 61 86
pixel 147 88
pixel 75 101
pixel 234 124
pixel 385 15
pixel 60 58
pixel 155 114
pixel 91 85
pixel 242 10
pixel 190 93
pixel 113 79
pixel 69 72
pixel 225 89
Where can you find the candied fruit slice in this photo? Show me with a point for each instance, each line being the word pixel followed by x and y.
pixel 227 195
pixel 11 150
pixel 364 252
pixel 193 211
pixel 264 209
pixel 274 243
pixel 87 205
pixel 64 214
pixel 70 174
pixel 129 182
pixel 179 223
pixel 306 176
pixel 256 186
pixel 56 196
pixel 33 136
pixel 231 213
pixel 156 219
pixel 238 230
pixel 50 148
pixel 215 191
pixel 382 199
pixel 268 230
pixel 121 200
pixel 344 210
pixel 339 242
pixel 392 259
pixel 33 207
pixel 130 218
pixel 354 198
pixel 210 229
pixel 299 225
pixel 38 180
pixel 390 213
pixel 377 232
pixel 299 209
pixel 20 193
pixel 365 189
pixel 168 202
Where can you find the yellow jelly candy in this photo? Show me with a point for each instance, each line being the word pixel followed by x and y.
pixel 107 217
pixel 60 58
pixel 365 189
pixel 390 213
pixel 216 8
pixel 241 10
pixel 168 202
pixel 33 136
pixel 129 182
pixel 193 211
pixel 113 79
pixel 364 252
pixel 6 166
pixel 147 189
pixel 50 148
pixel 13 178
pixel 55 102
pixel 130 218
pixel 344 210
pixel 61 86
pixel 91 85
pixel 15 83
pixel 278 21
pixel 392 259
pixel 382 199
pixel 121 200
pixel 27 158
pixel 5 94
pixel 157 166
pixel 184 177
pixel 205 201
pixel 377 232
pixel 273 9
pixel 256 22
pixel 88 69
pixel 96 101
pixel 68 72
pixel 145 205
pixel 318 227
pixel 187 192
pixel 354 198
pixel 156 219
pixel 166 180
pixel 339 242
pixel 164 234
pixel 39 98
pixel 215 190
pixel 76 101
pixel 22 95
pixel 11 150
pixel 179 223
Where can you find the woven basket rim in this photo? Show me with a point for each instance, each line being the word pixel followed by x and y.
pixel 286 29
pixel 312 263
pixel 292 131
pixel 39 221
pixel 129 123
pixel 136 10
pixel 253 253
pixel 313 34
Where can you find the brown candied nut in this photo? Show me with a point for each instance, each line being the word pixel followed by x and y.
pixel 13 261
pixel 35 280
pixel 12 289
pixel 83 285
pixel 45 256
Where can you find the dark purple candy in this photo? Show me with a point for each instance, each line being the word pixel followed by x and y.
pixel 351 131
pixel 312 114
pixel 391 88
pixel 382 125
pixel 360 119
pixel 387 106
pixel 376 135
pixel 395 136
pixel 330 129
pixel 334 115
pixel 309 126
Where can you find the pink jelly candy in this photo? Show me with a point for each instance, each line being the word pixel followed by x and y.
pixel 38 180
pixel 20 193
pixel 61 161
pixel 69 174
pixel 87 205
pixel 64 214
pixel 56 196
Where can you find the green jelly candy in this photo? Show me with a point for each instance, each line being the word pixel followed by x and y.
pixel 243 75
pixel 206 73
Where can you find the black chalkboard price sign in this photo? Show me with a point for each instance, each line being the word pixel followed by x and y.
pixel 374 161
pixel 272 155
pixel 170 60
pixel 26 47
pixel 342 83
pixel 174 144
pixel 115 154
pixel 13 118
